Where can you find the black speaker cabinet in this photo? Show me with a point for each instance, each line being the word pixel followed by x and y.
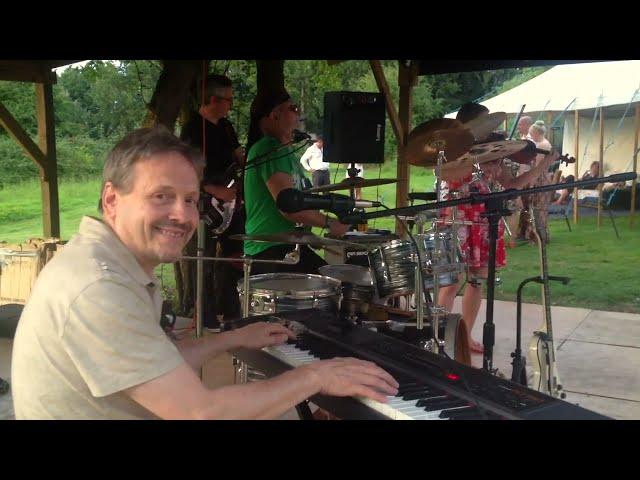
pixel 353 127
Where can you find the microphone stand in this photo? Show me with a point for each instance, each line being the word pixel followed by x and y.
pixel 494 209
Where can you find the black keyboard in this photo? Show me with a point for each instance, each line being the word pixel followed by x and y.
pixel 431 386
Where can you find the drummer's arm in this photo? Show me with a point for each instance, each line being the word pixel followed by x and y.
pixel 280 181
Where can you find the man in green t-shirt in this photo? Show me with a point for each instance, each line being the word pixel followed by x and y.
pixel 272 167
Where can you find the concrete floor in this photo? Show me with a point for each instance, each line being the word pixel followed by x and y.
pixel 598 355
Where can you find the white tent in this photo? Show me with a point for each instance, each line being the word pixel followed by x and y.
pixel 584 87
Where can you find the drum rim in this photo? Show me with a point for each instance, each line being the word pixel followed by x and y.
pixel 332 288
pixel 355 267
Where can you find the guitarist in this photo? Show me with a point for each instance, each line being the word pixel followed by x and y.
pixel 212 133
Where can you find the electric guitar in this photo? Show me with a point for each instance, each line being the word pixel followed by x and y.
pixel 542 353
pixel 216 212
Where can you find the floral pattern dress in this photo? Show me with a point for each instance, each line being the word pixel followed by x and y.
pixel 474 239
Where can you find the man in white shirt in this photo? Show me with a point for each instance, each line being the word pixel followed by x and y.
pixel 312 162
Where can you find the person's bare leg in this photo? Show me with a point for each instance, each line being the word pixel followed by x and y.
pixel 447 295
pixel 471 301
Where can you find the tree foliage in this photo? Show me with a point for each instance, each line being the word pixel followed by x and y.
pixel 98 103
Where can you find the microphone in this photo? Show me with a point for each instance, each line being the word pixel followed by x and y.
pixel 299 136
pixel 292 200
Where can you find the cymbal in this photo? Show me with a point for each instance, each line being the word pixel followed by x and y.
pixel 352 182
pixel 480 153
pixel 481 127
pixel 303 238
pixel 427 139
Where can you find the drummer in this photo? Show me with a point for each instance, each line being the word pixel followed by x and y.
pixel 273 118
pixel 474 239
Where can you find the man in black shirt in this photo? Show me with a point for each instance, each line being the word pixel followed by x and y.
pixel 223 154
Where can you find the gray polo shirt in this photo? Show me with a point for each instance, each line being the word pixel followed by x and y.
pixel 90 330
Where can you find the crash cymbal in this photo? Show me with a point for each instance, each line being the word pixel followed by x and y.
pixel 480 153
pixel 481 127
pixel 429 138
pixel 303 238
pixel 352 182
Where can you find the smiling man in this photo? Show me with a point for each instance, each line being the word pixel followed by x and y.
pixel 89 344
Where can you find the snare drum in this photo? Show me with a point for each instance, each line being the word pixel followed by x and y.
pixel 279 292
pixel 448 262
pixel 393 267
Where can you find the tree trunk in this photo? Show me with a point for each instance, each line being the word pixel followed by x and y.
pixel 270 76
pixel 172 91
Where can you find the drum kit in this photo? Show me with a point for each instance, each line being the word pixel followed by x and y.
pixel 431 259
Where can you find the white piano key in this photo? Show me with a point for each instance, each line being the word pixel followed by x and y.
pixel 395 409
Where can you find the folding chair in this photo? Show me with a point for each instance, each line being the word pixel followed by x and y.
pixel 592 202
pixel 563 210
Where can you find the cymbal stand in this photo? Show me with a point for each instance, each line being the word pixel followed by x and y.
pixel 435 344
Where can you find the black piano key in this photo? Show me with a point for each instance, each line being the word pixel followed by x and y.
pixel 417 394
pixel 457 412
pixel 410 386
pixel 431 399
pixel 444 405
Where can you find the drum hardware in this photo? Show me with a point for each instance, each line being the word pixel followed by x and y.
pixel 494 209
pixel 298 237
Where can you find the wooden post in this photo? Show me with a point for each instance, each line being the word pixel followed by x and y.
pixel 601 168
pixel 383 86
pixel 576 148
pixel 635 166
pixel 549 132
pixel 407 76
pixel 48 172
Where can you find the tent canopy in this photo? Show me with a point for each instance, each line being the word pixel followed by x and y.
pixel 572 87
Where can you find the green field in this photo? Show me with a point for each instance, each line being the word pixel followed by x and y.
pixel 604 271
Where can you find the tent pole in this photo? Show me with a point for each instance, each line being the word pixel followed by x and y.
pixel 601 169
pixel 635 166
pixel 576 123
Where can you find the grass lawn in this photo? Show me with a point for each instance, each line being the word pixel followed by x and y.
pixel 604 271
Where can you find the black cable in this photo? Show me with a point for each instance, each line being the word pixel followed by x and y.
pixel 458 372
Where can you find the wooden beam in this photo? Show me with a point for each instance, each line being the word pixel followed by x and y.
pixel 548 125
pixel 47 142
pixel 634 182
pixel 407 79
pixel 27 71
pixel 383 86
pixel 576 148
pixel 601 169
pixel 21 136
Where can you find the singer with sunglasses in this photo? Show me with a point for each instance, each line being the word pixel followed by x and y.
pixel 273 119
